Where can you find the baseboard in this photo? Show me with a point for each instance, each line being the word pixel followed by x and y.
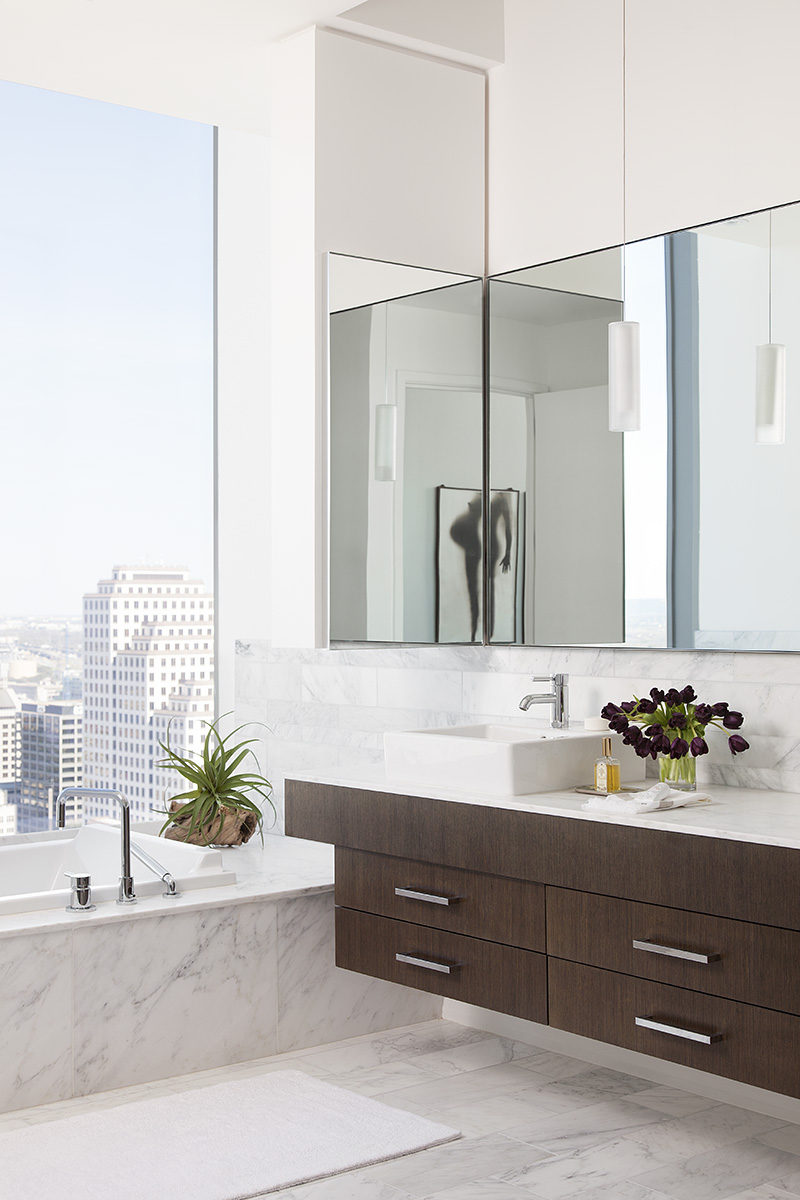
pixel 688 1079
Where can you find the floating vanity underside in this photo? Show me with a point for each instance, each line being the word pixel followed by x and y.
pixel 676 944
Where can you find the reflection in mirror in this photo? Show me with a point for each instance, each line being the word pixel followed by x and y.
pixel 684 541
pixel 556 569
pixel 406 454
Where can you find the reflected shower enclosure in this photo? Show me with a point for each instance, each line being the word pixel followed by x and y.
pixel 406 421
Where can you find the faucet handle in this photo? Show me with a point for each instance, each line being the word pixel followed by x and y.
pixel 80 899
pixel 542 678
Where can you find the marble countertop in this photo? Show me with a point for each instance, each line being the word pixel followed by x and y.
pixel 280 869
pixel 742 814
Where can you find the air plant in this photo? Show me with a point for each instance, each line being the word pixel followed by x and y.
pixel 673 723
pixel 221 788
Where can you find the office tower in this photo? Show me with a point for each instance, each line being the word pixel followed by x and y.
pixel 51 753
pixel 148 668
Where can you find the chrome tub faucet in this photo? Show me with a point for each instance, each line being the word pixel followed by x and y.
pixel 557 698
pixel 126 893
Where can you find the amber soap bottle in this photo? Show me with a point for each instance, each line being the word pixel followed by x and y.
pixel 606 770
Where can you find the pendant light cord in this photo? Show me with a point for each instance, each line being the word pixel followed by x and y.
pixel 769 260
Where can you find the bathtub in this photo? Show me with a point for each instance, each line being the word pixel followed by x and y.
pixel 33 866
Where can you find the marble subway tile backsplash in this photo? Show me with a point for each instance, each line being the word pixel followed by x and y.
pixel 330 707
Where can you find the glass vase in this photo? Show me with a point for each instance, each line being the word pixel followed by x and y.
pixel 680 773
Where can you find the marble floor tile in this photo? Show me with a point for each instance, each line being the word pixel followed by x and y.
pixel 35 1019
pixel 597 1083
pixel 786 1138
pixel 393 1045
pixel 482 1189
pixel 372 1081
pixel 350 1186
pixel 673 1102
pixel 547 1064
pixel 767 1191
pixel 474 1055
pixel 722 1173
pixel 456 1164
pixel 718 1126
pixel 586 1127
pixel 444 1093
pixel 605 1165
pixel 475 1118
pixel 620 1189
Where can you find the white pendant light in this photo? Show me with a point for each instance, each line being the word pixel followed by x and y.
pixel 385 443
pixel 624 359
pixel 624 377
pixel 770 381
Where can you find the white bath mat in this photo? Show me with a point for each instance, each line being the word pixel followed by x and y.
pixel 226 1142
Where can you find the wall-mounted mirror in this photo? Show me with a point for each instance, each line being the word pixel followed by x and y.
pixel 678 535
pixel 683 537
pixel 406 453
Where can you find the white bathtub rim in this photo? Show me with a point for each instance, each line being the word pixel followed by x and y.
pixel 288 868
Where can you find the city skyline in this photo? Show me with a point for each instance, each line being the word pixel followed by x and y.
pixel 143 670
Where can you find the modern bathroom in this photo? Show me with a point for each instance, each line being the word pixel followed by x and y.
pixel 400 634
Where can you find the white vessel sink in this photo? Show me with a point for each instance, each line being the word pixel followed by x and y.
pixel 501 760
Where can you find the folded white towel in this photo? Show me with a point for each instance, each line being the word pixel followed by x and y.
pixel 660 796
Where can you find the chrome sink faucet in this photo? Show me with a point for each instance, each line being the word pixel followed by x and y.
pixel 558 699
pixel 126 893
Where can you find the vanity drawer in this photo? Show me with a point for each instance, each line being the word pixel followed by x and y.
pixel 484 906
pixel 737 959
pixel 502 978
pixel 750 1044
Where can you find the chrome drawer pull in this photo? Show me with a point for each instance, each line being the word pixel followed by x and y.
pixel 691 1035
pixel 673 951
pixel 430 964
pixel 429 897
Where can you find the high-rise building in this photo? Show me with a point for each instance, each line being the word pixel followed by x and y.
pixel 148 667
pixel 9 737
pixel 51 754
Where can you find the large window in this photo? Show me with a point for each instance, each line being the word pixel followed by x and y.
pixel 107 397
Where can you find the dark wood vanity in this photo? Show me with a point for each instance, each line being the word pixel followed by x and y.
pixel 677 945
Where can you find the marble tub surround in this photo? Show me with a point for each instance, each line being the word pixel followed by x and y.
pixel 535 1124
pixel 98 1002
pixel 330 707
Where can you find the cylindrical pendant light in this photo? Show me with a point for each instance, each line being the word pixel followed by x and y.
pixel 624 365
pixel 770 381
pixel 624 377
pixel 770 394
pixel 385 443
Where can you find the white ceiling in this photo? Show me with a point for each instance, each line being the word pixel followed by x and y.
pixel 206 60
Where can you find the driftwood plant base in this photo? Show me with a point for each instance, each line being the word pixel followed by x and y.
pixel 238 827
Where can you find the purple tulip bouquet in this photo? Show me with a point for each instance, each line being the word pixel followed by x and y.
pixel 671 727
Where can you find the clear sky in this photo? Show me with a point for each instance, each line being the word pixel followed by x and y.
pixel 106 389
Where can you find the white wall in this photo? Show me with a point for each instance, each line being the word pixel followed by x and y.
pixel 243 436
pixel 555 132
pixel 399 156
pixel 712 106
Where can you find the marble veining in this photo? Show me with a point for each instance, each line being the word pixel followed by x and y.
pixel 319 1002
pixel 36 1019
pixel 173 993
pixel 608 1146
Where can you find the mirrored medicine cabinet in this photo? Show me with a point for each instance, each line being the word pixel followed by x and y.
pixel 477 494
